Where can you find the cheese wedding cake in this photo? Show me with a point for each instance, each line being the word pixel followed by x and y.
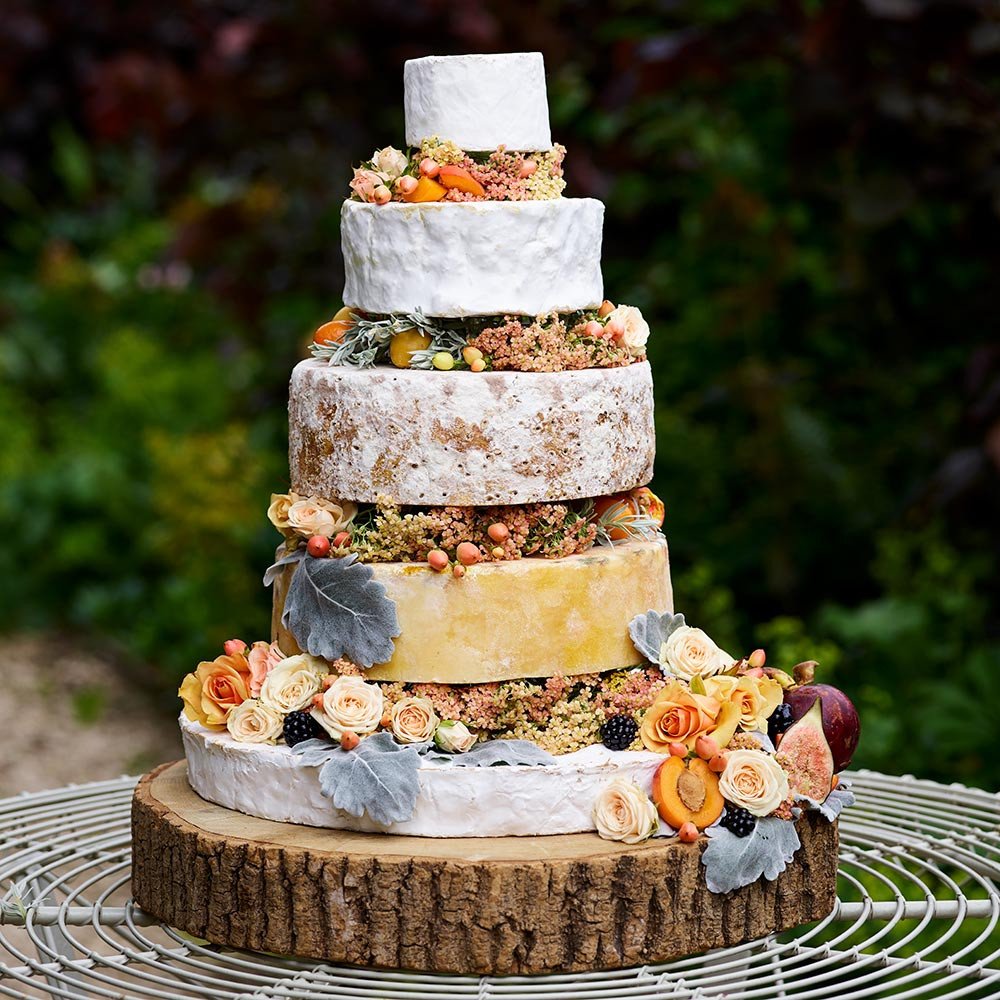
pixel 474 632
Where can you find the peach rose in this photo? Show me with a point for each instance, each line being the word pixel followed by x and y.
pixel 754 781
pixel 364 182
pixel 689 652
pixel 677 715
pixel 624 812
pixel 215 689
pixel 263 658
pixel 755 697
pixel 352 704
pixel 253 722
pixel 290 685
pixel 277 513
pixel 413 720
pixel 320 517
pixel 636 329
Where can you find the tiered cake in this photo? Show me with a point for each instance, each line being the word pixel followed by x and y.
pixel 473 631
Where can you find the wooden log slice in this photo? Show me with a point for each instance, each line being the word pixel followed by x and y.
pixel 512 905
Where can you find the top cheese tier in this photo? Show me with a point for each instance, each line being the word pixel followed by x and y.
pixel 478 101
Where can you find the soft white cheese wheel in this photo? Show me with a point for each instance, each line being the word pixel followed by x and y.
pixel 478 102
pixel 473 258
pixel 469 438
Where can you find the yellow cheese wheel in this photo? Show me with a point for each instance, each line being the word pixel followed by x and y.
pixel 529 618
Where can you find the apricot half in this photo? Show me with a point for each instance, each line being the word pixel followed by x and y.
pixel 459 177
pixel 687 792
pixel 427 189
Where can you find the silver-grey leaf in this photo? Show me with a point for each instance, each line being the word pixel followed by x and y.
pixel 379 777
pixel 335 608
pixel 834 804
pixel 732 862
pixel 281 561
pixel 493 753
pixel 651 630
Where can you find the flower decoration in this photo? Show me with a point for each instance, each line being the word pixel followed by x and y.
pixel 756 698
pixel 413 720
pixel 688 652
pixel 350 704
pixel 253 722
pixel 215 689
pixel 623 811
pixel 678 715
pixel 292 683
pixel 454 737
pixel 753 780
pixel 262 657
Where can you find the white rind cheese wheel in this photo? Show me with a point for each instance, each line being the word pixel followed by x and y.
pixel 473 258
pixel 531 617
pixel 478 102
pixel 274 783
pixel 469 439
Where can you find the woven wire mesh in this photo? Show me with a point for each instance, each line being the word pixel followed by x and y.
pixel 918 916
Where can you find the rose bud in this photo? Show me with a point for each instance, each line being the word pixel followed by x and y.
pixel 429 167
pixel 406 185
pixel 706 748
pixel 381 195
pixel 678 750
pixel 607 307
pixel 234 647
pixel 438 560
pixel 594 329
pixel 757 658
pixel 453 737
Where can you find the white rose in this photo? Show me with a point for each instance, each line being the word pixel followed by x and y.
pixel 754 781
pixel 389 162
pixel 624 812
pixel 351 704
pixel 253 722
pixel 636 329
pixel 689 651
pixel 413 720
pixel 291 684
pixel 454 737
pixel 314 516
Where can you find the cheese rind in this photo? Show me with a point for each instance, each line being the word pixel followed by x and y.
pixel 528 618
pixel 467 438
pixel 473 258
pixel 479 102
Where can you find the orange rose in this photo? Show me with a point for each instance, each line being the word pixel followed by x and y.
pixel 215 689
pixel 677 715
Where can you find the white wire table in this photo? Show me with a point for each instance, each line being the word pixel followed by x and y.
pixel 918 916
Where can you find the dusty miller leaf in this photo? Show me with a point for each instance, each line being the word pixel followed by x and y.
pixel 288 559
pixel 379 777
pixel 833 805
pixel 334 608
pixel 651 630
pixel 493 753
pixel 732 862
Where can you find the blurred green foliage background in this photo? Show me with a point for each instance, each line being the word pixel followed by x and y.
pixel 803 198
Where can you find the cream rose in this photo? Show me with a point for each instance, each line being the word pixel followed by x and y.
pixel 454 737
pixel 277 513
pixel 291 684
pixel 636 329
pixel 689 652
pixel 755 697
pixel 350 704
pixel 320 517
pixel 253 722
pixel 624 812
pixel 413 720
pixel 389 162
pixel 754 781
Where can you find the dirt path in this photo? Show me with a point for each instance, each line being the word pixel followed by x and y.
pixel 67 715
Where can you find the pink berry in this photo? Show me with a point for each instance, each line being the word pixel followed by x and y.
pixel 594 329
pixel 438 560
pixel 318 546
pixel 467 554
pixel 717 763
pixel 234 647
pixel 458 571
pixel 341 539
pixel 429 167
pixel 678 750
pixel 406 185
pixel 498 531
pixel 706 748
pixel 688 833
pixel 349 739
pixel 381 195
pixel 318 701
pixel 527 168
pixel 498 552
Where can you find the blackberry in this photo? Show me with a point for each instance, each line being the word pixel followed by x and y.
pixel 300 726
pixel 739 822
pixel 780 719
pixel 619 732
